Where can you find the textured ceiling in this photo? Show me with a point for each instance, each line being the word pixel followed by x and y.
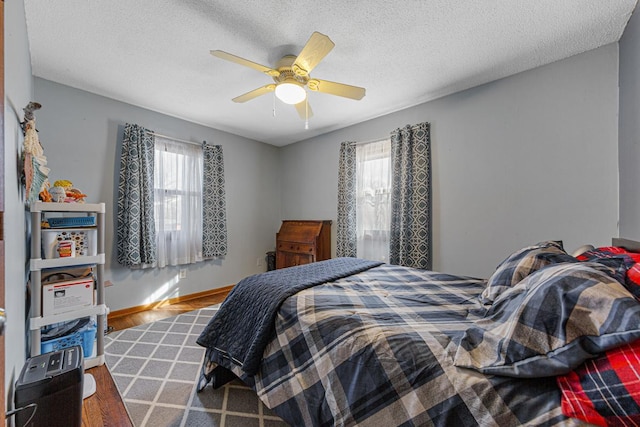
pixel 155 53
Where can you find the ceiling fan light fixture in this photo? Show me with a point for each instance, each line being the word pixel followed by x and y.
pixel 290 93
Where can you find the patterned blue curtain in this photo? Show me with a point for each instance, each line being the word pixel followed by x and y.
pixel 346 244
pixel 135 233
pixel 214 213
pixel 411 236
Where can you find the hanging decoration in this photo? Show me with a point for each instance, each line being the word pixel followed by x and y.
pixel 35 170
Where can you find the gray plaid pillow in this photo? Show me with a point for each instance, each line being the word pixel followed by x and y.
pixel 522 263
pixel 551 322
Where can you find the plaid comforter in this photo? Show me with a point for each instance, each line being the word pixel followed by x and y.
pixel 261 295
pixel 377 349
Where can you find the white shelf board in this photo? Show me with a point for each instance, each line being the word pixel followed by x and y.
pixel 38 322
pixel 67 207
pixel 39 263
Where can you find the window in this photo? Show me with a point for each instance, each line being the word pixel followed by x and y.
pixel 171 201
pixel 178 202
pixel 373 200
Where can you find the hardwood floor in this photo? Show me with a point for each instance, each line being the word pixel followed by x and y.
pixel 162 311
pixel 105 407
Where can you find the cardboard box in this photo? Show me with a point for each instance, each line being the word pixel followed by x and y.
pixel 62 297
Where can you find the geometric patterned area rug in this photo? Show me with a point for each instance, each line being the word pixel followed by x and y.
pixel 156 366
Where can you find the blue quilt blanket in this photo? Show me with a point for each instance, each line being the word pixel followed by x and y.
pixel 244 324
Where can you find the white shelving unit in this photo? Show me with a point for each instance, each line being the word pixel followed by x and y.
pixel 37 264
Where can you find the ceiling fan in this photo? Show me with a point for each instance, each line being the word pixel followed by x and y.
pixel 291 76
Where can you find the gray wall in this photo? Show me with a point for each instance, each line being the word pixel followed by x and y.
pixel 630 129
pixel 523 159
pixel 18 87
pixel 82 136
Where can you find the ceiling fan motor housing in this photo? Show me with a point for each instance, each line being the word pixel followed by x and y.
pixel 287 75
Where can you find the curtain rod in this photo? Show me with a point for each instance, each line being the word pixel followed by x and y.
pixel 178 139
pixel 370 142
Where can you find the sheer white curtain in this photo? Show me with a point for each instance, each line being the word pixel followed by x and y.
pixel 373 199
pixel 178 202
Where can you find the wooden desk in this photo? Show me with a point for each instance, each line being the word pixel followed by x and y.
pixel 302 242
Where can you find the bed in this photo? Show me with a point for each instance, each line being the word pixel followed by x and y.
pixel 546 340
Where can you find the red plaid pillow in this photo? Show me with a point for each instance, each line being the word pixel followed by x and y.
pixel 606 390
pixel 607 252
pixel 632 278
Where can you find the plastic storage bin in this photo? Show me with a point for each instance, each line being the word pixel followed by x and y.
pixel 83 337
pixel 85 240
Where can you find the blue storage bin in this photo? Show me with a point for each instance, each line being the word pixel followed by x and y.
pixel 83 337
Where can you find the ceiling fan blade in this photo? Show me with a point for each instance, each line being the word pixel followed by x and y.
pixel 233 58
pixel 317 47
pixel 304 109
pixel 333 88
pixel 255 93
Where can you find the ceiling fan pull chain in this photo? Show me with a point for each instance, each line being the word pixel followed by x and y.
pixel 274 104
pixel 306 107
